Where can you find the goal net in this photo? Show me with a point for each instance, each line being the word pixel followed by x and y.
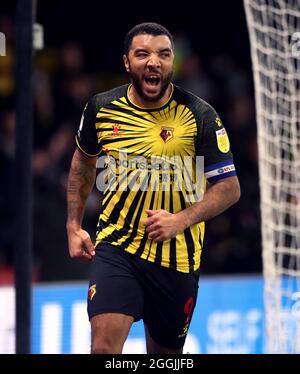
pixel 274 31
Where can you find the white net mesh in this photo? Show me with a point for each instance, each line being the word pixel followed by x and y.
pixel 274 30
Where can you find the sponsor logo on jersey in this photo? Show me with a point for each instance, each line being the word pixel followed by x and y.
pixel 167 133
pixel 116 129
pixel 222 140
pixel 226 169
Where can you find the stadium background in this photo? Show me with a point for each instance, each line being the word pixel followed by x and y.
pixel 83 55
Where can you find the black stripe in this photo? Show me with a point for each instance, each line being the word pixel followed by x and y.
pixel 109 120
pixel 119 233
pixel 145 236
pixel 173 258
pixel 115 235
pixel 101 226
pixel 175 110
pixel 108 141
pixel 158 256
pixel 133 207
pixel 115 191
pixel 184 113
pixel 121 102
pixel 188 238
pixel 130 239
pixel 152 115
pixel 122 110
pixel 114 216
pixel 189 180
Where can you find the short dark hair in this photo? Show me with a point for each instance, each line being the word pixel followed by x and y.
pixel 149 28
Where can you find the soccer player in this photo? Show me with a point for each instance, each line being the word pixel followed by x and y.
pixel 145 262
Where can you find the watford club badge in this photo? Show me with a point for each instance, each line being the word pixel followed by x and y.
pixel 166 133
pixel 92 292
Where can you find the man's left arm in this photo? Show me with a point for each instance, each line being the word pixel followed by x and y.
pixel 162 225
pixel 216 200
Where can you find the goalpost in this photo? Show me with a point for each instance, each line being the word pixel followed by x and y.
pixel 274 31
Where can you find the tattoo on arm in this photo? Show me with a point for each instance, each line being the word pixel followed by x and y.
pixel 81 180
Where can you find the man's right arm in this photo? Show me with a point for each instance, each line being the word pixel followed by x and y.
pixel 81 180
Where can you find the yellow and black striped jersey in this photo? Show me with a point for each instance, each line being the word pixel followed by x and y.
pixel 144 157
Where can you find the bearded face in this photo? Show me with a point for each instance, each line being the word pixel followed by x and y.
pixel 150 66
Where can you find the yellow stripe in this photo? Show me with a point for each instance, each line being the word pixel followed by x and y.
pixel 108 230
pixel 165 253
pixel 118 116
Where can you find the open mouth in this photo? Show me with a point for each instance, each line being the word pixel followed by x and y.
pixel 152 80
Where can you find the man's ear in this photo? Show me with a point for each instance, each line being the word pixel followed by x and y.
pixel 126 63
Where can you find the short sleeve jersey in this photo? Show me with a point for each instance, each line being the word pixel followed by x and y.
pixel 153 159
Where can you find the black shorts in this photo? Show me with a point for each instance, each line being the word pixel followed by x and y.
pixel 164 298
